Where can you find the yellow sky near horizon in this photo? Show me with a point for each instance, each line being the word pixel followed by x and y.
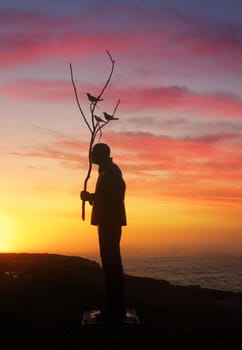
pixel 42 221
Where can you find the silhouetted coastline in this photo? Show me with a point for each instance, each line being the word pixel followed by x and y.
pixel 43 296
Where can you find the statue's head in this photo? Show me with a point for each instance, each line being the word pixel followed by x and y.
pixel 100 153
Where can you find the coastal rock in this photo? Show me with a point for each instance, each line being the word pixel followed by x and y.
pixel 44 296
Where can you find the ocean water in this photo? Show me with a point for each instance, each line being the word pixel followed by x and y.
pixel 222 273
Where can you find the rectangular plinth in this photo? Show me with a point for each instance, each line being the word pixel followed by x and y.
pixel 91 317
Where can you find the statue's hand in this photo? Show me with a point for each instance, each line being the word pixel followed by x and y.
pixel 85 196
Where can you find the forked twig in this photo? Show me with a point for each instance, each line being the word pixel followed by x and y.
pixel 96 125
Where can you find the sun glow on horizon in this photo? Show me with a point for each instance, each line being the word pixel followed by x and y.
pixel 7 232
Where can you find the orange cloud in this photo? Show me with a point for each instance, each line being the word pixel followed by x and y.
pixel 205 163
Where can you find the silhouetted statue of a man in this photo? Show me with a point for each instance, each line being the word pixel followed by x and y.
pixel 108 213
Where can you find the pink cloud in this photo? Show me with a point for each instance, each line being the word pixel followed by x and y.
pixel 170 98
pixel 31 90
pixel 205 168
pixel 213 40
pixel 181 99
pixel 30 37
pixel 29 45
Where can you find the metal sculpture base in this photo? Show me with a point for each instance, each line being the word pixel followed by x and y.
pixel 90 317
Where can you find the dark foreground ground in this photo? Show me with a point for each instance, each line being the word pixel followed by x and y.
pixel 43 297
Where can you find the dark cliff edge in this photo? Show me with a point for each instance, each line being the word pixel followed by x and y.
pixel 43 297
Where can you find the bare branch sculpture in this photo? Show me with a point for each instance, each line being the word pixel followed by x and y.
pixel 95 123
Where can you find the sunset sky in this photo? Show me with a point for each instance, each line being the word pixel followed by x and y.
pixel 178 140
